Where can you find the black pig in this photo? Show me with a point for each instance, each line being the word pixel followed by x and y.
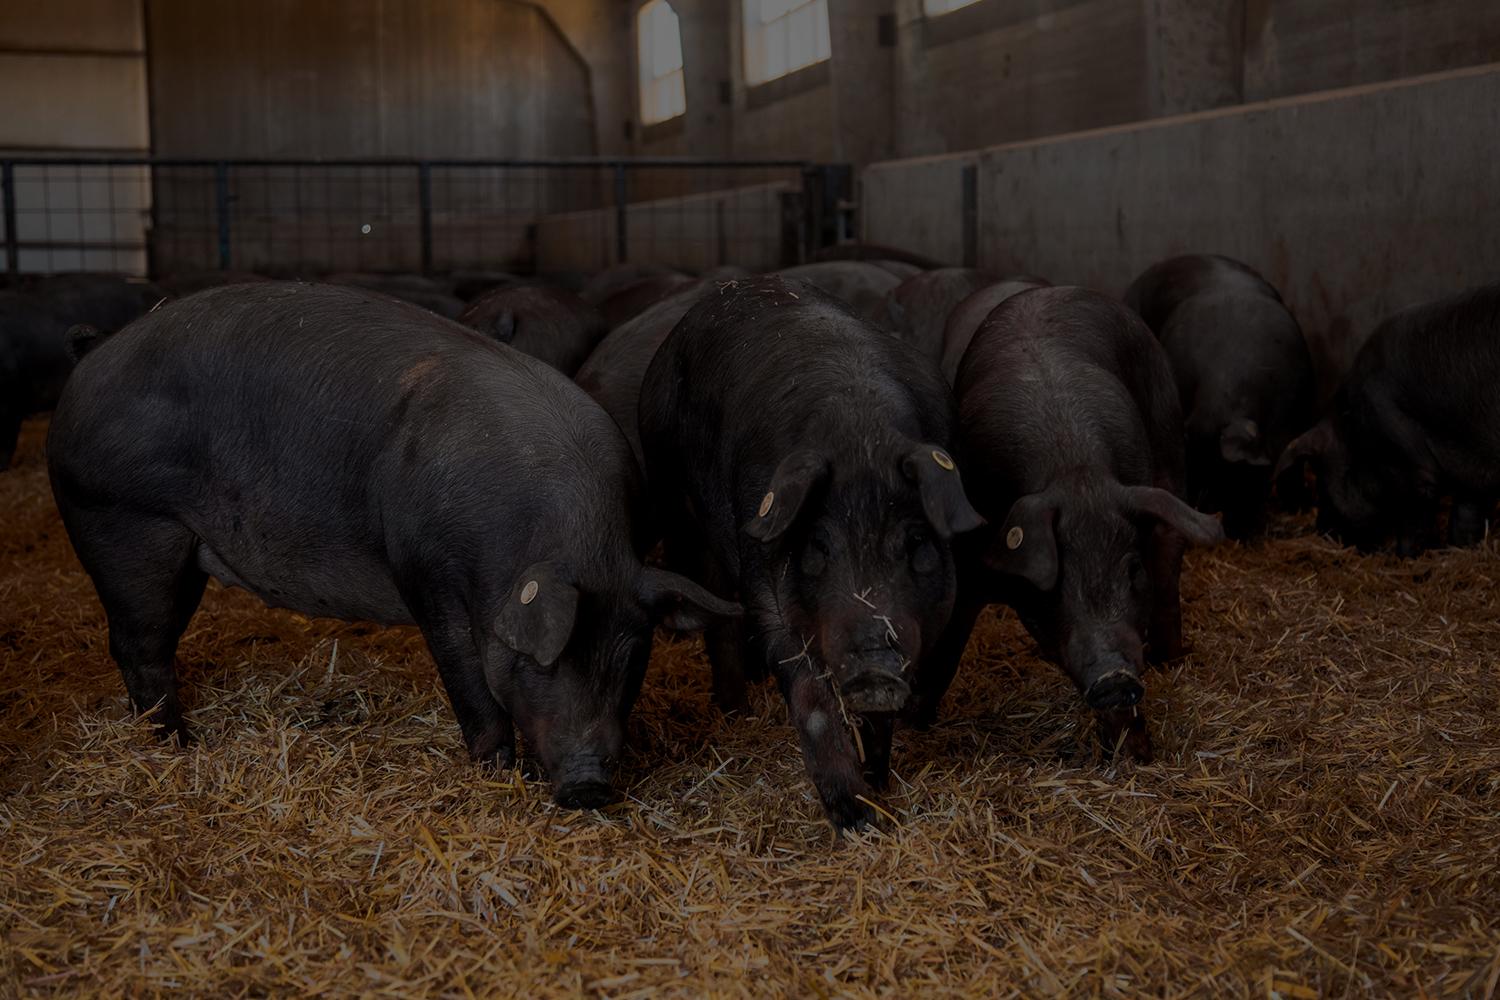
pixel 1073 435
pixel 1244 376
pixel 612 374
pixel 1416 419
pixel 550 324
pixel 964 318
pixel 348 455
pixel 802 457
pixel 919 307
pixel 33 319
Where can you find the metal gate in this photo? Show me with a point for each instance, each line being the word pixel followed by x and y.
pixel 307 217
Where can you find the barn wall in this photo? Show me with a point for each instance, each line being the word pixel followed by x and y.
pixel 1007 70
pixel 1354 203
pixel 1298 46
pixel 74 76
pixel 345 78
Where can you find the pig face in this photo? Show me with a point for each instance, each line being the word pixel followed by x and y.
pixel 862 573
pixel 1083 556
pixel 569 663
pixel 1349 495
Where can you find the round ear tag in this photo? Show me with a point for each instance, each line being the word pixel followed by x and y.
pixel 528 592
pixel 1013 537
pixel 765 503
pixel 941 458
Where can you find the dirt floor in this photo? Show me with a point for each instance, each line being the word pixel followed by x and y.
pixel 1321 821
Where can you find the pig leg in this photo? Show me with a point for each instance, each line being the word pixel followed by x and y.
pixel 10 430
pixel 1125 728
pixel 1466 521
pixel 875 736
pixel 150 585
pixel 1164 563
pixel 488 731
pixel 688 553
pixel 935 672
pixel 827 752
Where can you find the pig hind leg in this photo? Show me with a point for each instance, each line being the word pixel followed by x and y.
pixel 150 584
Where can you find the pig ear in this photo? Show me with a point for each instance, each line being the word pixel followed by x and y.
pixel 538 616
pixel 794 479
pixel 942 489
pixel 1198 528
pixel 1311 444
pixel 680 604
pixel 505 327
pixel 1026 546
pixel 1240 441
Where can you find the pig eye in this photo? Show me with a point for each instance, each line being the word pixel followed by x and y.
pixel 1137 570
pixel 924 555
pixel 814 558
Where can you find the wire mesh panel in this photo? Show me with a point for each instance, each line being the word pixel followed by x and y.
pixel 313 218
pixel 77 217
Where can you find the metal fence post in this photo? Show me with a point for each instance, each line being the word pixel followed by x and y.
pixel 424 202
pixel 12 250
pixel 221 202
pixel 971 216
pixel 620 194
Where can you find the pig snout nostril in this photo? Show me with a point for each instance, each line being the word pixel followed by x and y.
pixel 874 691
pixel 585 795
pixel 1120 689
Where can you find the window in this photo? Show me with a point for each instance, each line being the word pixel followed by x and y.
pixel 782 36
pixel 932 8
pixel 660 40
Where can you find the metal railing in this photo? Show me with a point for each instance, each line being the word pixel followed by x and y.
pixel 283 216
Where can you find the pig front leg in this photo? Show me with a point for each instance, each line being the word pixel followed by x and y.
pixel 487 728
pixel 1164 564
pixel 688 553
pixel 828 753
pixel 875 730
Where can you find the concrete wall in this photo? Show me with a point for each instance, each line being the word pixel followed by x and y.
pixel 1007 70
pixel 1353 203
pixel 344 78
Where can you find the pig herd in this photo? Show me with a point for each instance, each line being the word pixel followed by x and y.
pixel 844 463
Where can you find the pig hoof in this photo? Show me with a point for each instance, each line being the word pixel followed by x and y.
pixel 502 759
pixel 1120 689
pixel 848 813
pixel 876 691
pixel 585 795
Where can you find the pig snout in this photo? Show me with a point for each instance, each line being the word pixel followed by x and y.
pixel 1115 685
pixel 870 681
pixel 582 782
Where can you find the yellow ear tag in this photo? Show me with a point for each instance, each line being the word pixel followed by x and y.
pixel 765 503
pixel 1013 537
pixel 941 458
pixel 528 592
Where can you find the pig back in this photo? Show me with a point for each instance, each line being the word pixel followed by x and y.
pixel 1063 379
pixel 332 406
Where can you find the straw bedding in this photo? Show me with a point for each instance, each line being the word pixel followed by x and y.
pixel 1321 821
